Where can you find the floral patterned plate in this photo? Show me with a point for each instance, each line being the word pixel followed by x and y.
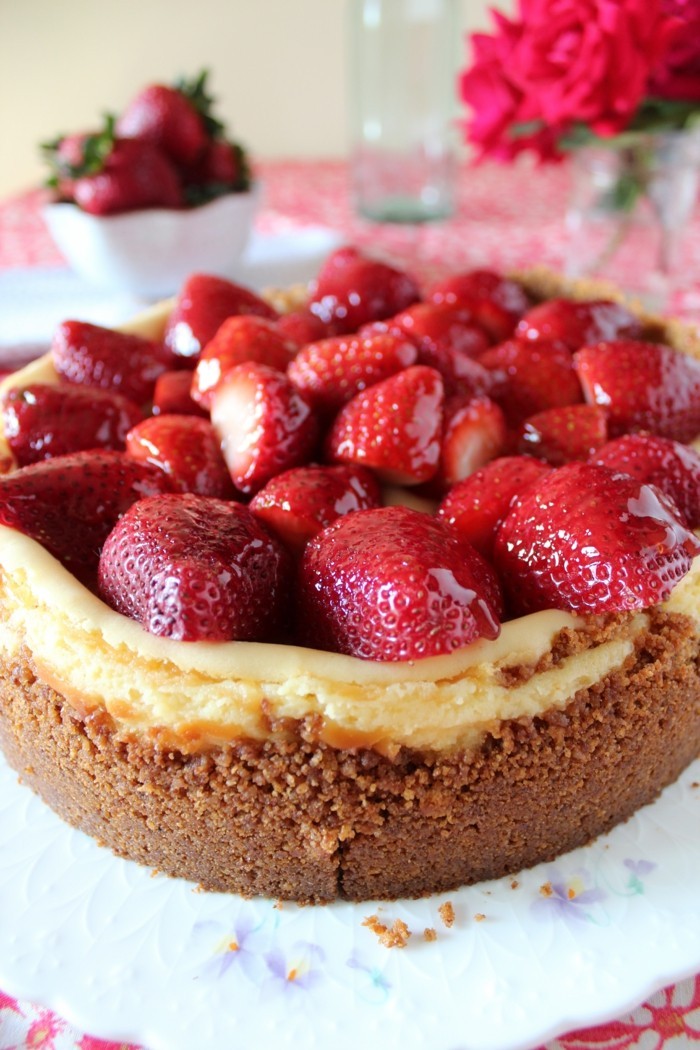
pixel 128 955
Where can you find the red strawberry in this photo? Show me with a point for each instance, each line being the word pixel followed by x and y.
pixel 239 339
pixel 300 502
pixel 171 118
pixel 642 386
pixel 203 304
pixel 70 503
pixel 134 175
pixel 578 323
pixel 172 395
pixel 590 540
pixel 90 355
pixel 44 420
pixel 496 302
pixel 394 427
pixel 187 449
pixel 71 156
pixel 672 467
pixel 351 289
pixel 474 432
pixel 333 370
pixel 562 434
pixel 195 569
pixel 222 168
pixel 529 377
pixel 476 506
pixel 395 584
pixel 302 327
pixel 265 425
pixel 437 326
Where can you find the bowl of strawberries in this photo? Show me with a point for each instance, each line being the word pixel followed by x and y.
pixel 156 190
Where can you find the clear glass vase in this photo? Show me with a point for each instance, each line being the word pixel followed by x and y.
pixel 630 206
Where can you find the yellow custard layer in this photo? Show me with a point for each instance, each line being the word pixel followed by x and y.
pixel 197 694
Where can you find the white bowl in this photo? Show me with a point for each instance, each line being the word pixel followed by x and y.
pixel 150 252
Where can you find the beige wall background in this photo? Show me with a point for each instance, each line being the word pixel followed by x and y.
pixel 278 69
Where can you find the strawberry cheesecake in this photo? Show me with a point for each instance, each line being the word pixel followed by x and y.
pixel 361 590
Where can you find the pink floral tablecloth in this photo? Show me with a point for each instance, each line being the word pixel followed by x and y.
pixel 507 218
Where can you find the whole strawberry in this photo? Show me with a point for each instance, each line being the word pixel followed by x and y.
pixel 670 465
pixel 187 449
pixel 195 568
pixel 94 356
pixel 43 420
pixel 642 386
pixel 201 307
pixel 300 502
pixel 395 584
pixel 173 118
pixel 587 539
pixel 577 323
pixel 394 427
pixel 69 504
pixel 352 289
pixel 496 302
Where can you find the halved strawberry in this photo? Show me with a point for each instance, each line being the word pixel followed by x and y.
pixel 196 569
pixel 569 432
pixel 395 584
pixel 171 394
pixel 591 540
pixel 69 504
pixel 530 377
pixel 474 432
pixel 394 427
pixel 332 371
pixel 187 449
pixel 264 423
pixel 671 466
pixel 300 502
pixel 202 305
pixel 242 338
pixel 476 506
pixel 44 420
pixel 496 302
pixel 352 289
pixel 578 323
pixel 642 386
pixel 95 356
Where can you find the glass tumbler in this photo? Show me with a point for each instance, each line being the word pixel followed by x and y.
pixel 403 65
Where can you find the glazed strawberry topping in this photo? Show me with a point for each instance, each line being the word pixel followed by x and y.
pixel 589 539
pixel 94 356
pixel 331 371
pixel 195 569
pixel 563 465
pixel 299 503
pixel 671 466
pixel 71 503
pixel 42 420
pixel 642 386
pixel 187 449
pixel 476 506
pixel 394 427
pixel 352 289
pixel 395 584
pixel 203 304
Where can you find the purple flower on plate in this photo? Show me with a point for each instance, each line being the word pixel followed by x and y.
pixel 374 986
pixel 567 898
pixel 295 970
pixel 235 947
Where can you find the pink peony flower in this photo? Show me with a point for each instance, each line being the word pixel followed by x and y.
pixel 678 75
pixel 558 64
